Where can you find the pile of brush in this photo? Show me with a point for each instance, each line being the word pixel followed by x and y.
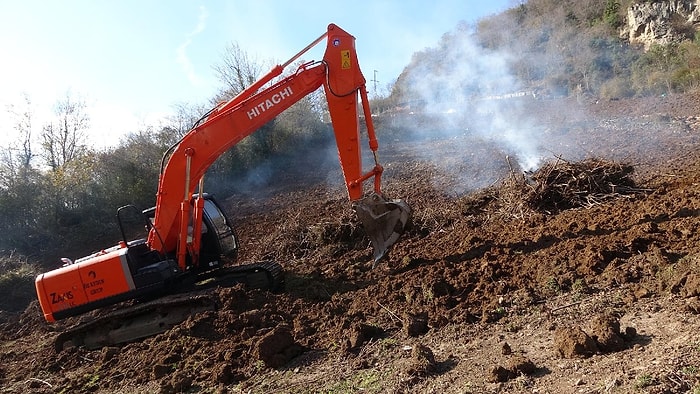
pixel 556 186
pixel 561 185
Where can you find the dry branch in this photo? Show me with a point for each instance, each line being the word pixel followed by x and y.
pixel 562 185
pixel 556 186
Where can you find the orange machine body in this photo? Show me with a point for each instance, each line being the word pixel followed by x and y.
pixel 88 280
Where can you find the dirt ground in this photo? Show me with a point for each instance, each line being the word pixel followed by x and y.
pixel 482 295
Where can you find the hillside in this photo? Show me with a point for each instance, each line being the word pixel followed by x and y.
pixel 601 48
pixel 484 294
pixel 550 155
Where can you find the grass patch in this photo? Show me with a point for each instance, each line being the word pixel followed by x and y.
pixel 366 381
pixel 643 381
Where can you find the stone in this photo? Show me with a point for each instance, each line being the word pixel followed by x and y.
pixel 650 23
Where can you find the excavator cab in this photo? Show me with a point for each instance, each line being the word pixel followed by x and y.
pixel 218 240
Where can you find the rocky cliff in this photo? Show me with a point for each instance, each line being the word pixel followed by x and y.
pixel 662 22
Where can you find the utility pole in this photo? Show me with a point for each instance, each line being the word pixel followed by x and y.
pixel 375 82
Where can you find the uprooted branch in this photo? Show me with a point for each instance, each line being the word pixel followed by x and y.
pixel 561 185
pixel 556 186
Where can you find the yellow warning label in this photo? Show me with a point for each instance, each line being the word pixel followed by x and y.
pixel 345 60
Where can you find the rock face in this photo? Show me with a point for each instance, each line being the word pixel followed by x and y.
pixel 662 22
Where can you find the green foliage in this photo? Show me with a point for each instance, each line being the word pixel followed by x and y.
pixel 21 203
pixel 91 382
pixel 667 68
pixel 71 205
pixel 685 79
pixel 644 380
pixel 129 173
pixel 369 381
pixel 611 15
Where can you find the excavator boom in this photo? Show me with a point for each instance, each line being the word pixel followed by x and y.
pixel 344 84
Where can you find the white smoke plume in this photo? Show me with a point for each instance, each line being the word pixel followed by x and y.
pixel 471 97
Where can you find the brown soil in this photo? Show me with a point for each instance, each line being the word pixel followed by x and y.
pixel 485 294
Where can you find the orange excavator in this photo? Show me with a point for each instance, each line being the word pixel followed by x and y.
pixel 155 279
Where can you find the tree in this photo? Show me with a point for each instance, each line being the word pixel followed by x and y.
pixel 129 174
pixel 237 71
pixel 23 125
pixel 183 119
pixel 17 156
pixel 64 139
pixel 281 136
pixel 21 186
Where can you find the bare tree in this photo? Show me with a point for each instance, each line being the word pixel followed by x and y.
pixel 64 140
pixel 8 169
pixel 23 125
pixel 237 71
pixel 181 121
pixel 16 157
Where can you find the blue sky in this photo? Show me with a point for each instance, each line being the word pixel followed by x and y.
pixel 132 60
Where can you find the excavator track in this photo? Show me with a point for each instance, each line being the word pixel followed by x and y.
pixel 157 316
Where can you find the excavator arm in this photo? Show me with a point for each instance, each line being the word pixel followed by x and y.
pixel 230 122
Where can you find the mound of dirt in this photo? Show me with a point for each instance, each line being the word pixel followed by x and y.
pixel 579 277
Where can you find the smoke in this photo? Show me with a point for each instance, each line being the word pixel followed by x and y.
pixel 312 161
pixel 464 111
pixel 467 94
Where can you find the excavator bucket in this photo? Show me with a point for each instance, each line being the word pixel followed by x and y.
pixel 383 220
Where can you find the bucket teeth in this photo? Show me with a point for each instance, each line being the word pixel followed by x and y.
pixel 383 220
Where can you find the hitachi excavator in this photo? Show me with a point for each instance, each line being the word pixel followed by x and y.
pixel 189 239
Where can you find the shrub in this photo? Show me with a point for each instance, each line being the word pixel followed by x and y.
pixel 616 88
pixel 16 283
